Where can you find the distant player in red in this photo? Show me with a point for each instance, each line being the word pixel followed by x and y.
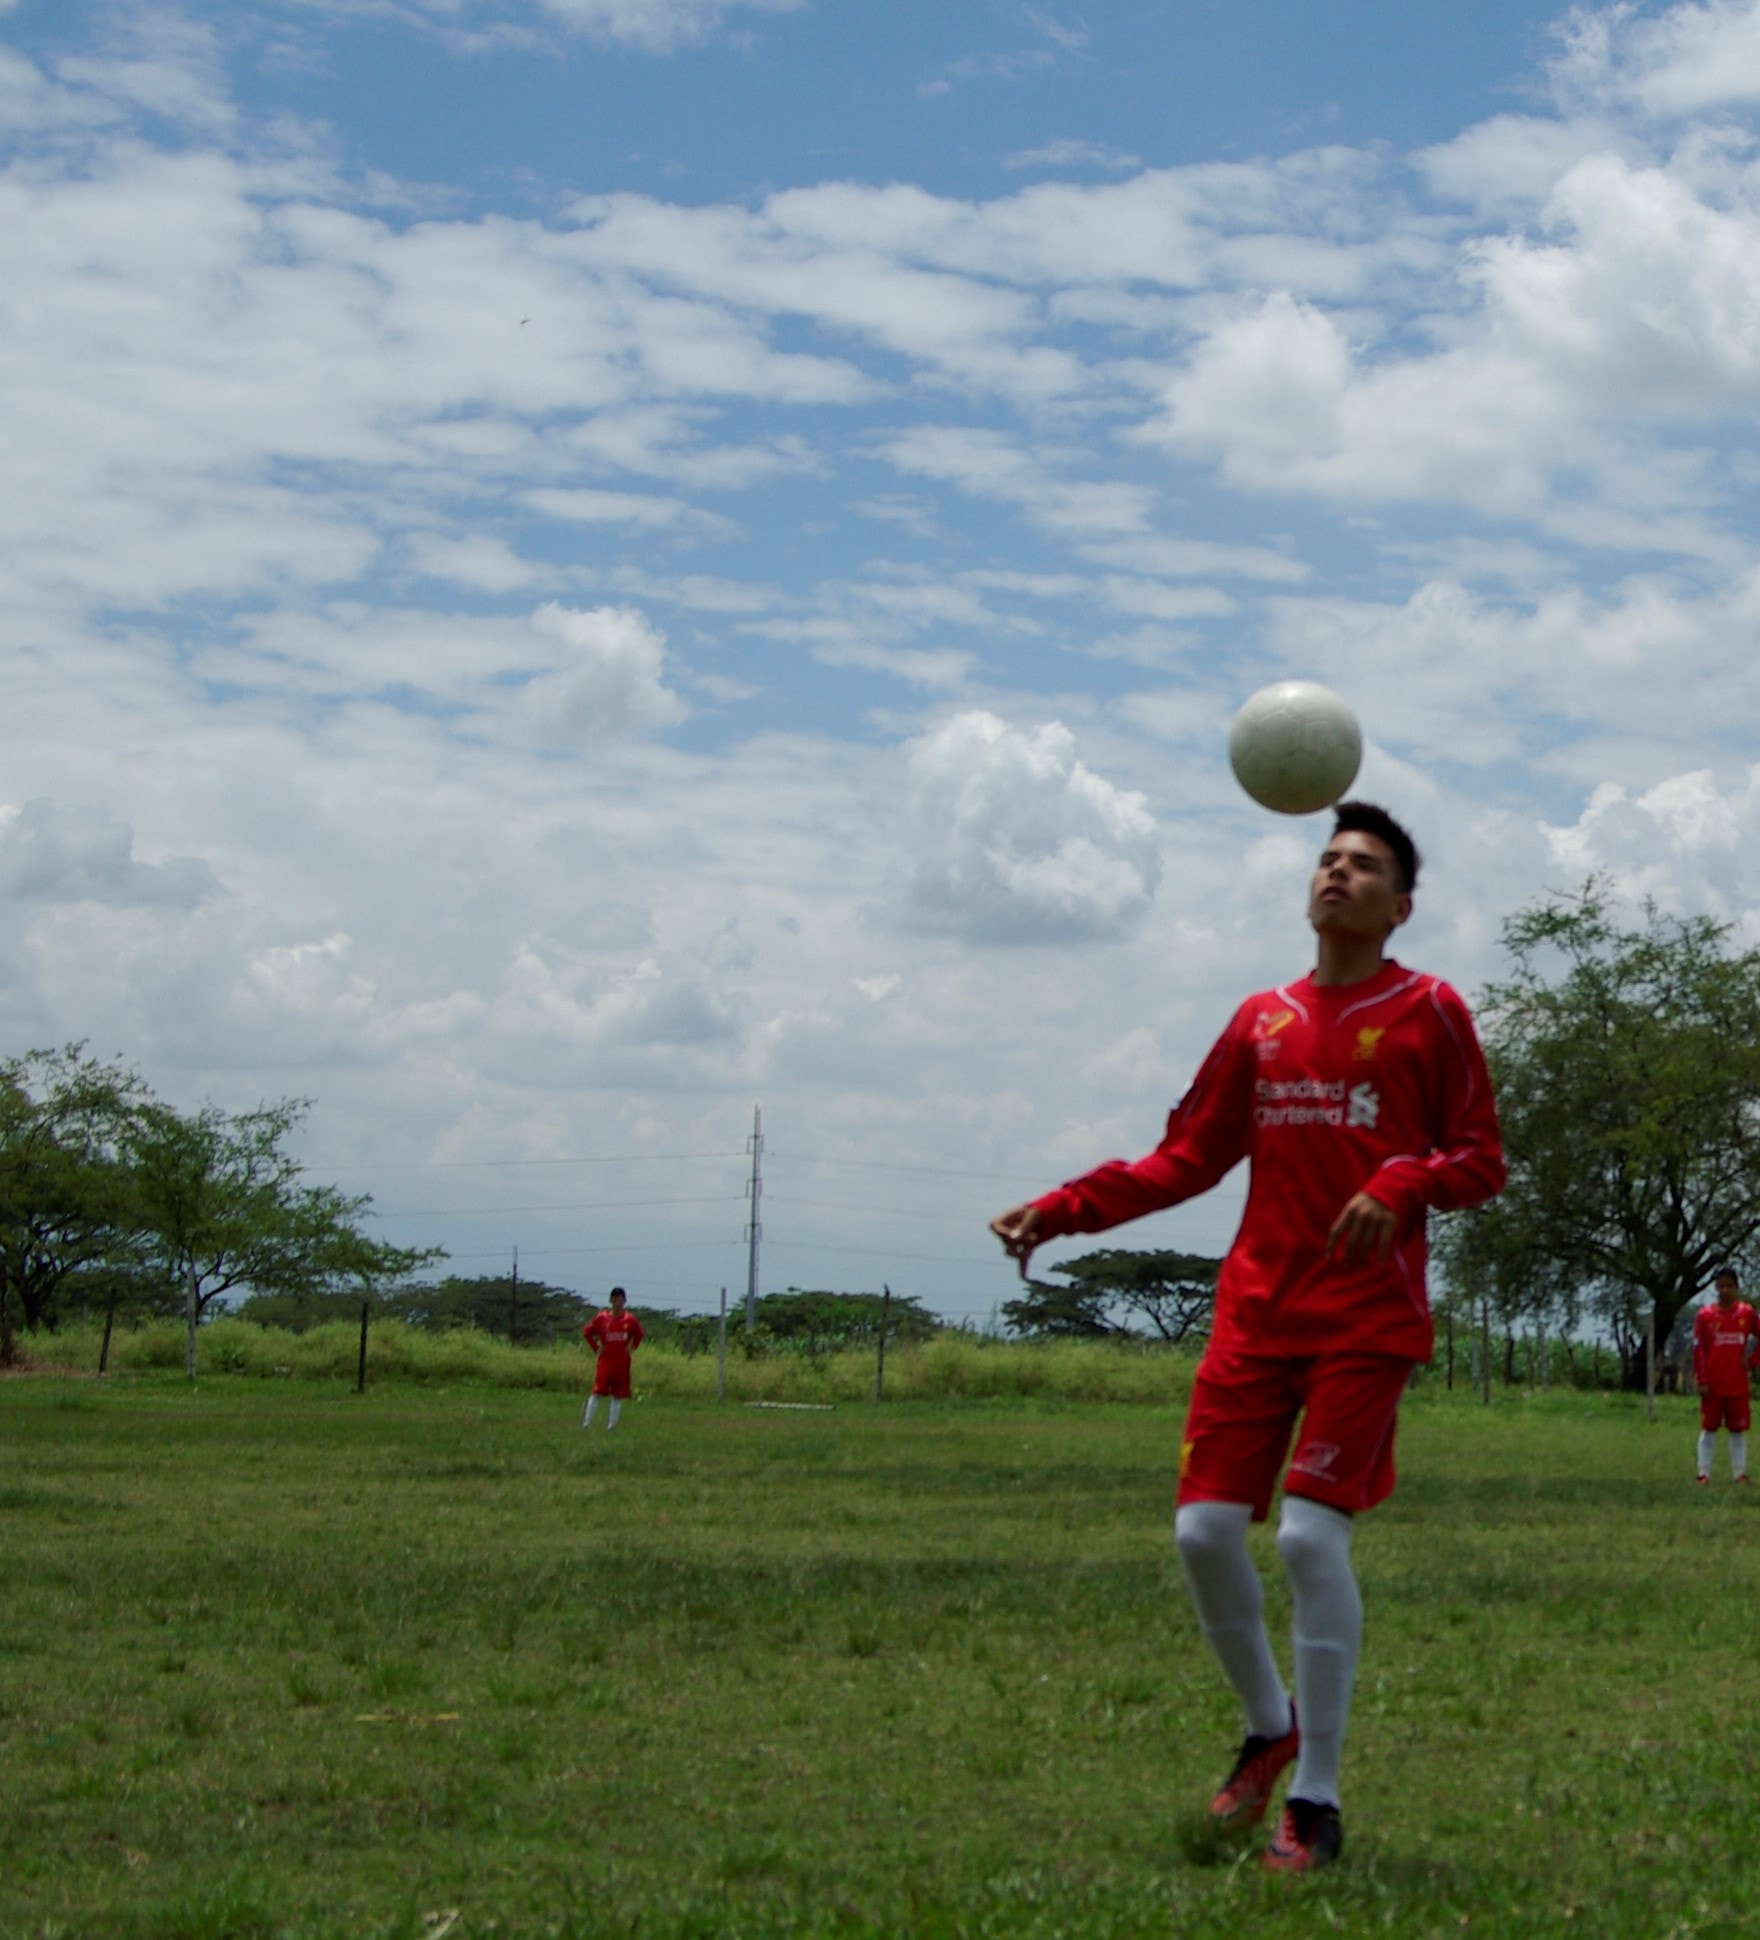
pixel 1359 1095
pixel 1726 1343
pixel 613 1334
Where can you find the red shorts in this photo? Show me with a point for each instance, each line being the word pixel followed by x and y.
pixel 1244 1408
pixel 1729 1411
pixel 611 1377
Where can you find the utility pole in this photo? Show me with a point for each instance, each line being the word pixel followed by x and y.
pixel 755 1228
pixel 513 1302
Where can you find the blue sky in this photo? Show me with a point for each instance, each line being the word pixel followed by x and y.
pixel 570 567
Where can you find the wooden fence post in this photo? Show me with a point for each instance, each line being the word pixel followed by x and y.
pixel 721 1351
pixel 1650 1365
pixel 880 1355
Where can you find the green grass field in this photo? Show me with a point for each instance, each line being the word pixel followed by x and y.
pixel 276 1659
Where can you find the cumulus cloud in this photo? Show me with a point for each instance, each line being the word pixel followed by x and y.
pixel 1009 838
pixel 1683 844
pixel 609 681
pixel 65 854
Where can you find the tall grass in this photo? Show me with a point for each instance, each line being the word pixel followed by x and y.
pixel 949 1367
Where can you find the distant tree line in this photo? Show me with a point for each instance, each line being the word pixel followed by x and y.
pixel 111 1199
pixel 534 1313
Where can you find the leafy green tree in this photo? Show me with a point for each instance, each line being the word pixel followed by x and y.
pixel 492 1303
pixel 63 1183
pixel 218 1204
pixel 812 1321
pixel 1113 1293
pixel 1627 1067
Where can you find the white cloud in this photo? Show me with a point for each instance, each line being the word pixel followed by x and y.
pixel 609 508
pixel 650 26
pixel 1072 153
pixel 610 682
pixel 655 24
pixel 1690 57
pixel 1683 844
pixel 936 668
pixel 51 853
pixel 989 464
pixel 1010 839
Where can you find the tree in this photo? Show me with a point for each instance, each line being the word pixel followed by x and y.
pixel 814 1321
pixel 1627 1067
pixel 488 1302
pixel 1175 1293
pixel 219 1205
pixel 63 1184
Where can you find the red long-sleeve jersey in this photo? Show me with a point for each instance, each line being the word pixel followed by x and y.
pixel 1725 1344
pixel 1329 1090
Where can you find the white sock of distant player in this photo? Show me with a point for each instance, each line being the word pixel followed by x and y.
pixel 1738 1455
pixel 1707 1448
pixel 1327 1631
pixel 616 1410
pixel 1212 1539
pixel 587 1418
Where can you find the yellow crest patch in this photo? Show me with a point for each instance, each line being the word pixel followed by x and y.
pixel 1369 1042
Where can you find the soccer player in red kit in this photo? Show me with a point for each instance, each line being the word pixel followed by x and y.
pixel 1359 1095
pixel 1726 1342
pixel 613 1334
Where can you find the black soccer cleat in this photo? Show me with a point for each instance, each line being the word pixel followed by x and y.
pixel 1308 1837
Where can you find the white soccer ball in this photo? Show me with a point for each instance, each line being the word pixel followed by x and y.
pixel 1295 747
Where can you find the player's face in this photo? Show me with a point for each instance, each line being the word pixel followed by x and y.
pixel 1726 1291
pixel 1355 891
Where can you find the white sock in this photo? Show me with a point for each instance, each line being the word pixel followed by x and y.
pixel 587 1418
pixel 616 1410
pixel 1212 1539
pixel 1315 1544
pixel 1738 1454
pixel 1707 1448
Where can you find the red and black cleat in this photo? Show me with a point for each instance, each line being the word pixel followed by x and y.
pixel 1247 1790
pixel 1308 1837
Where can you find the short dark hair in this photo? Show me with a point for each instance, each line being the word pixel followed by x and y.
pixel 1373 820
pixel 617 1293
pixel 1726 1273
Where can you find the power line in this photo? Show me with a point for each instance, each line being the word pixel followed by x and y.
pixel 513 1212
pixel 602 1158
pixel 569 1252
pixel 887 1165
pixel 886 1212
pixel 885 1253
pixel 667 1158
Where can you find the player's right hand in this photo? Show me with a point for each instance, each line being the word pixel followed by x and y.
pixel 1018 1230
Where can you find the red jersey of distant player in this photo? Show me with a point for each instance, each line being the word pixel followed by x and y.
pixel 614 1333
pixel 1330 1090
pixel 1726 1341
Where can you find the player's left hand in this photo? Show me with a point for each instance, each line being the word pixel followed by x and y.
pixel 1363 1232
